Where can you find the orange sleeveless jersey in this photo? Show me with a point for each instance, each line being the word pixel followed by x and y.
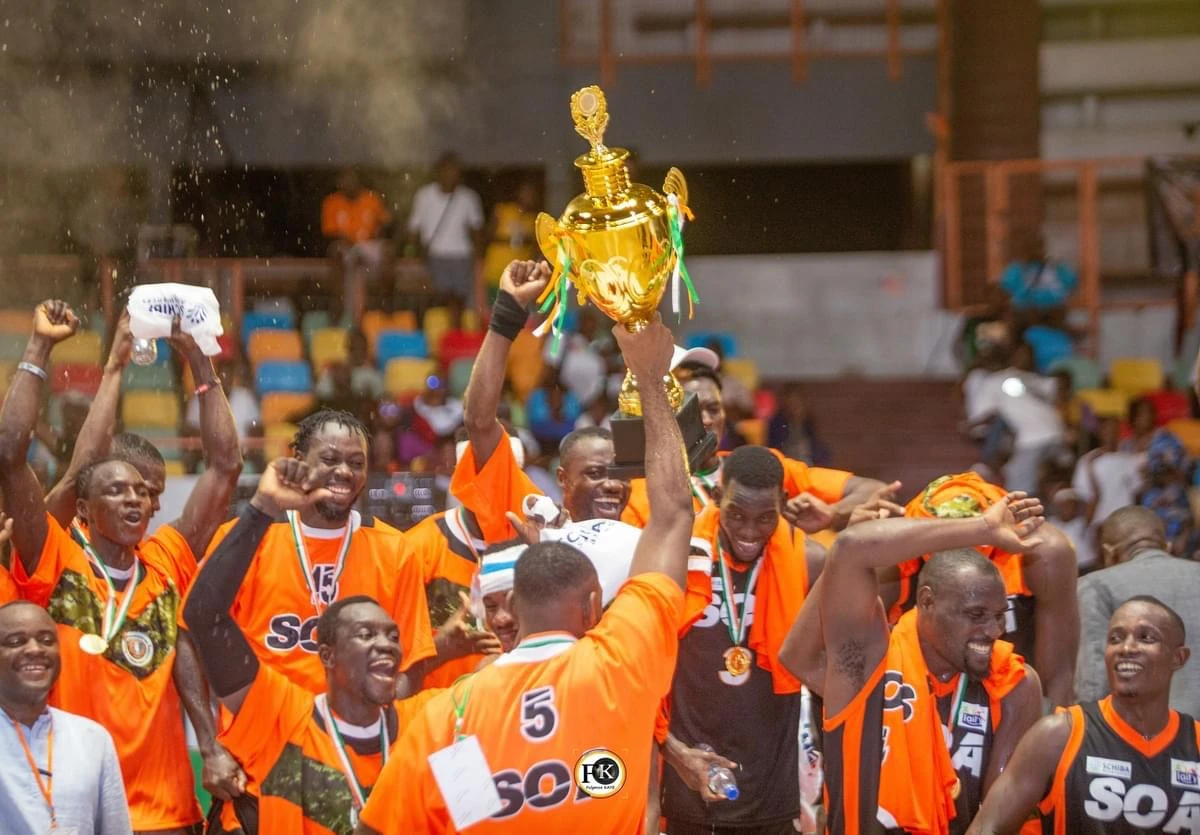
pixel 499 487
pixel 881 762
pixel 443 545
pixel 1113 781
pixel 8 588
pixel 827 485
pixel 129 689
pixel 281 741
pixel 274 610
pixel 536 712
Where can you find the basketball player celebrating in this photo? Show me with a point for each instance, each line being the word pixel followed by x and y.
pixel 1126 764
pixel 314 757
pixel 921 720
pixel 185 537
pixel 1042 620
pixel 549 735
pixel 115 598
pixel 737 614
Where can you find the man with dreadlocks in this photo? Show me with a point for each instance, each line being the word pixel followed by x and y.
pixel 324 552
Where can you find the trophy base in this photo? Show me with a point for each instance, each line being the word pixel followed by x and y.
pixel 629 441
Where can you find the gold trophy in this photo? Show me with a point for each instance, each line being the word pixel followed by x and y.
pixel 621 245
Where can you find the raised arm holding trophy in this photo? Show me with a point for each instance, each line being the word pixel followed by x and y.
pixel 621 245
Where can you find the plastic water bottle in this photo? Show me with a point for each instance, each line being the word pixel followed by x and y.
pixel 145 351
pixel 720 779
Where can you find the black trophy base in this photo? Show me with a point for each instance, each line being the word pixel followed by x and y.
pixel 629 441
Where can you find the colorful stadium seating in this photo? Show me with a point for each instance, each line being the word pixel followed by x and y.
pixel 1134 375
pixel 395 344
pixel 405 376
pixel 283 376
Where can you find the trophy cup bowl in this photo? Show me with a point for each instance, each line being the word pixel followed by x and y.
pixel 619 243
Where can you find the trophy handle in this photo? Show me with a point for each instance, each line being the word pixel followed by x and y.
pixel 544 229
pixel 677 185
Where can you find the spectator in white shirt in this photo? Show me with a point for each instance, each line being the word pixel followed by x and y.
pixel 447 224
pixel 241 400
pixel 1108 477
pixel 1027 403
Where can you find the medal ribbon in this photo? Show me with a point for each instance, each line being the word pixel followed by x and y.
pixel 306 567
pixel 46 787
pixel 675 219
pixel 358 795
pixel 956 705
pixel 702 484
pixel 114 616
pixel 736 623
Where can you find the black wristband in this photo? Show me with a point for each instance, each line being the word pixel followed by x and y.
pixel 508 317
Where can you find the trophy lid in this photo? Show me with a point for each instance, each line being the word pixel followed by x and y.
pixel 605 175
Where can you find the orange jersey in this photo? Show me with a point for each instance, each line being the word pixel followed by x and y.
pixel 449 556
pixel 1111 779
pixel 352 218
pixel 489 493
pixel 275 611
pixel 129 689
pixel 898 758
pixel 8 588
pixel 536 711
pixel 280 738
pixel 827 485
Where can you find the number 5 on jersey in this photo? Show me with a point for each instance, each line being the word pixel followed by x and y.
pixel 539 717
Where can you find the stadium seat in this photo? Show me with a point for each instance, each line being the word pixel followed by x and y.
pixel 165 439
pixel 702 339
pixel 435 324
pixel 1187 430
pixel 1168 405
pixel 1181 374
pixel 173 467
pixel 252 322
pixel 403 320
pixel 69 376
pixel 745 370
pixel 277 439
pixel 407 375
pixel 276 305
pixel 285 406
pixel 274 345
pixel 327 346
pixel 283 376
pixel 1134 376
pixel 12 346
pixel 1104 402
pixel 313 321
pixel 375 322
pixel 459 374
pixel 764 404
pixel 394 344
pixel 83 348
pixel 1049 345
pixel 16 321
pixel 1085 373
pixel 150 408
pixel 457 345
pixel 471 323
pixel 525 363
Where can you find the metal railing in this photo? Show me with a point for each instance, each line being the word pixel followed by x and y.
pixel 793 16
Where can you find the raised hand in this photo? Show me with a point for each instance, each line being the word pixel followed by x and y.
pixel 525 280
pixel 287 484
pixel 646 352
pixel 122 345
pixel 458 637
pixel 1013 521
pixel 808 513
pixel 54 321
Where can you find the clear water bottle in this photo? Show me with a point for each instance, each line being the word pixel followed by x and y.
pixel 145 351
pixel 720 779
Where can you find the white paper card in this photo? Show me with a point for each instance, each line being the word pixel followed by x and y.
pixel 465 780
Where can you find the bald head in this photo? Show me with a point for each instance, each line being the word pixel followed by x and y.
pixel 1129 530
pixel 947 568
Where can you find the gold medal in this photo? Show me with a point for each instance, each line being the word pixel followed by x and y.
pixel 93 644
pixel 957 790
pixel 737 660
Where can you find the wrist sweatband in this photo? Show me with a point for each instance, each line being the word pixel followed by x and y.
pixel 508 317
pixel 32 369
